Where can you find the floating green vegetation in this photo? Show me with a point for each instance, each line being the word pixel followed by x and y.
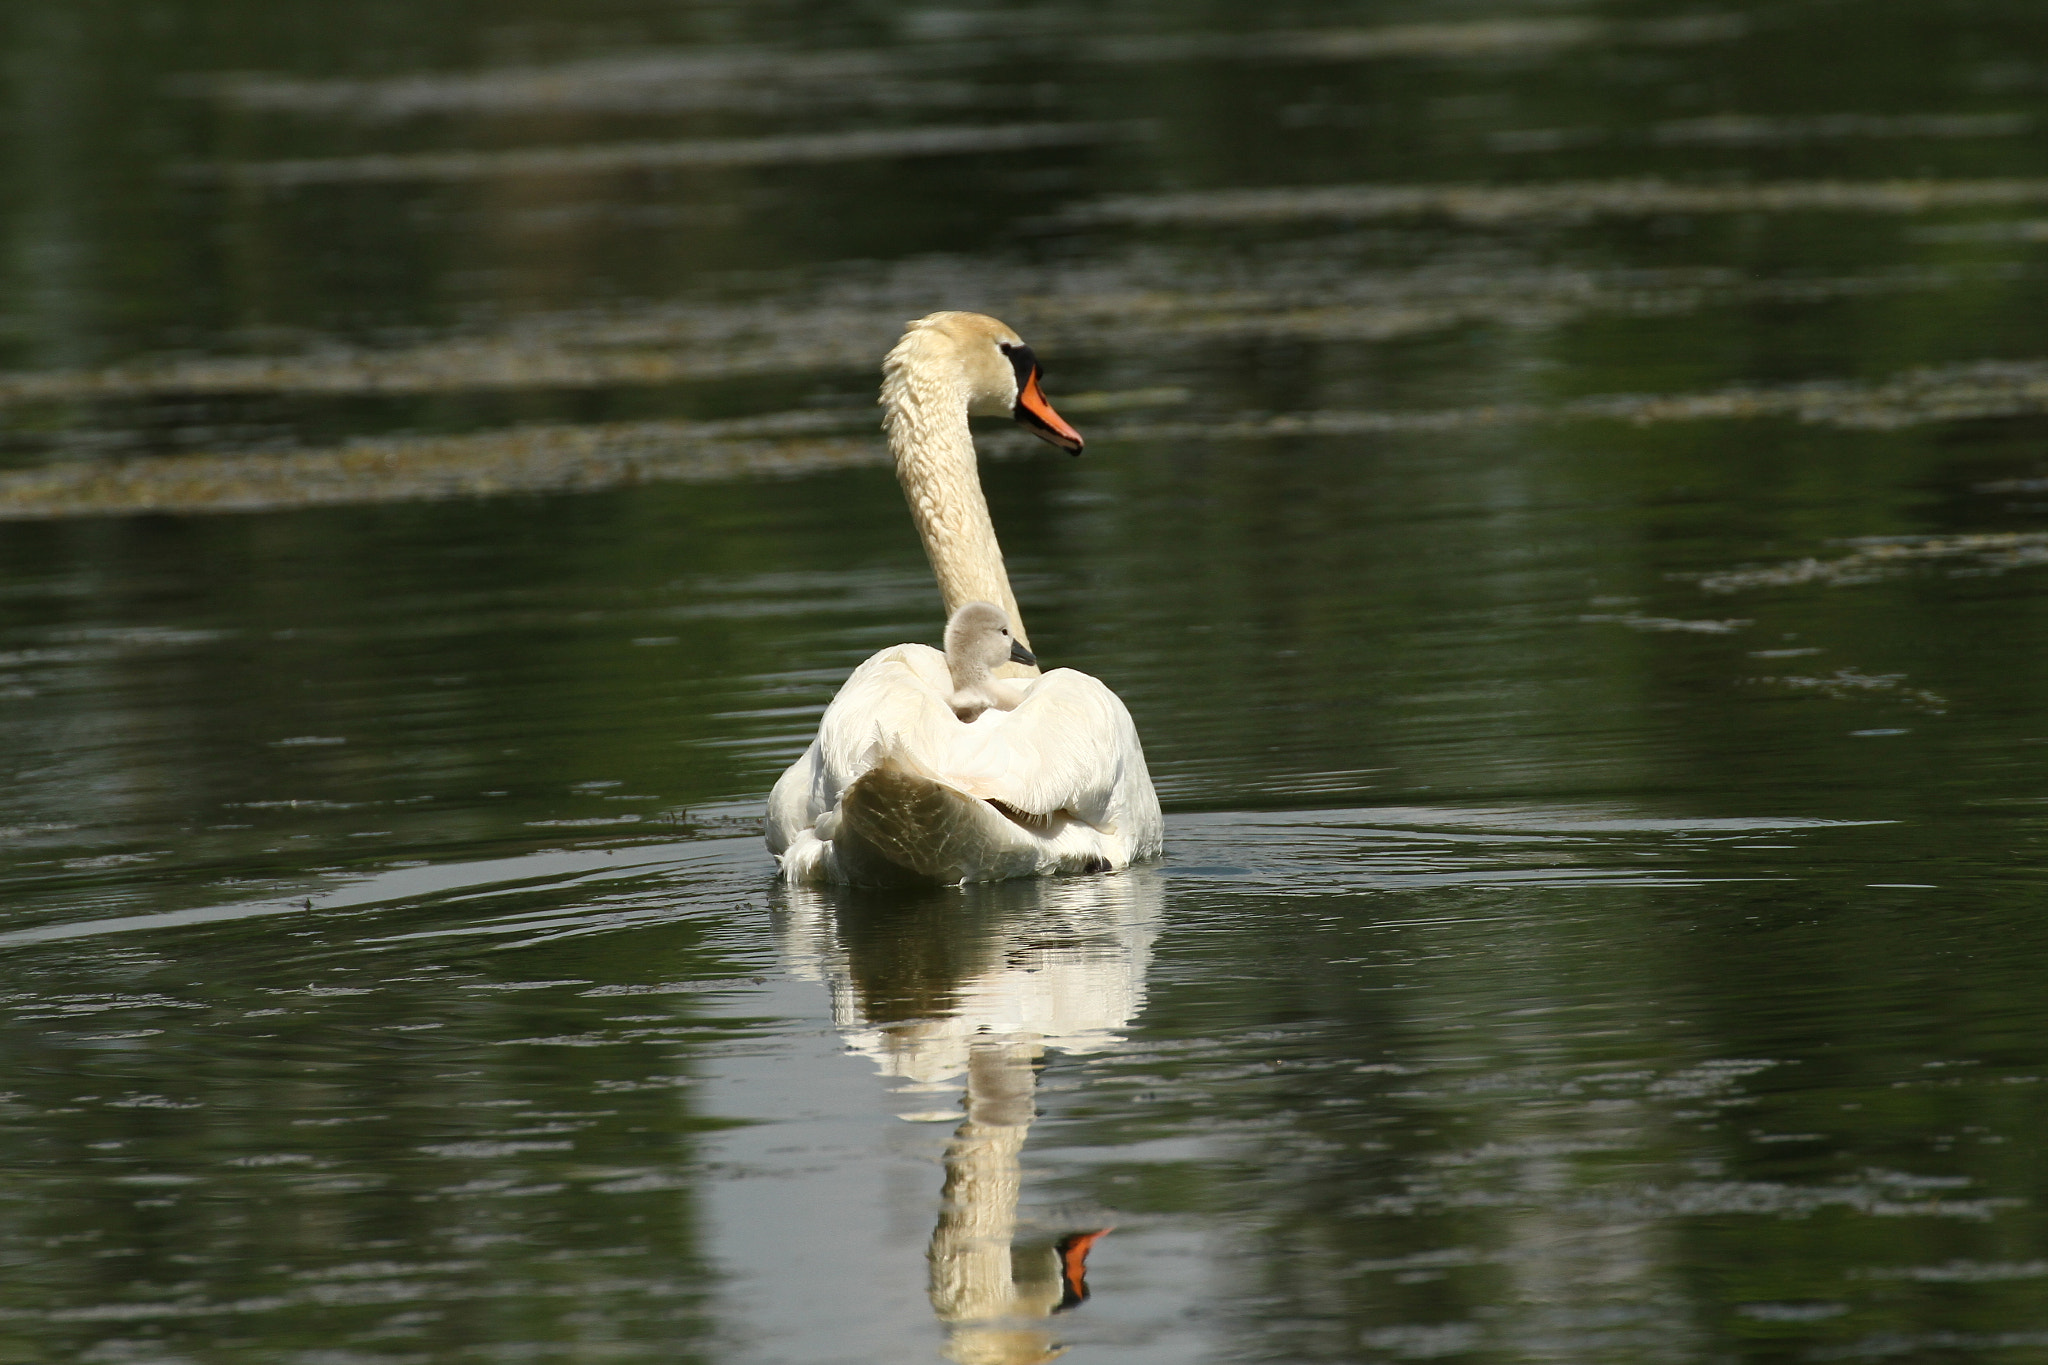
pixel 541 458
pixel 1558 200
pixel 1635 621
pixel 1888 556
pixel 1962 1272
pixel 1118 307
pixel 750 80
pixel 1479 38
pixel 1848 684
pixel 1917 397
pixel 786 150
pixel 525 360
pixel 521 460
pixel 774 80
pixel 528 459
pixel 1754 130
pixel 1946 393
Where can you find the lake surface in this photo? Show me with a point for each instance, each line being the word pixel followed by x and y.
pixel 1565 503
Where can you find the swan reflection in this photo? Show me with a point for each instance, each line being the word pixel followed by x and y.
pixel 963 992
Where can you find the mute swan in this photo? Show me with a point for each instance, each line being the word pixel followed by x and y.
pixel 898 787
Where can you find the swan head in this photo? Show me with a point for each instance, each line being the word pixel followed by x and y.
pixel 999 372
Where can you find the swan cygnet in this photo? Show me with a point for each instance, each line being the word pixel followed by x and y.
pixel 978 641
pixel 1047 776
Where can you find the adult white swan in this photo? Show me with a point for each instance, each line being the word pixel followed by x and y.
pixel 899 786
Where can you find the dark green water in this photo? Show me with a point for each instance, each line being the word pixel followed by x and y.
pixel 1582 582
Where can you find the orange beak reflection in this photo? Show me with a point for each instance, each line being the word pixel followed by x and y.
pixel 1035 412
pixel 1073 1254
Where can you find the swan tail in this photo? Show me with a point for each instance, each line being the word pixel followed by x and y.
pixel 900 824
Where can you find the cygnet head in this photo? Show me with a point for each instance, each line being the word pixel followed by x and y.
pixel 978 641
pixel 999 372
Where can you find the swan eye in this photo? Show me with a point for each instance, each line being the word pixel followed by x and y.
pixel 1022 362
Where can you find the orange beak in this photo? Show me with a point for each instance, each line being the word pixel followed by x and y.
pixel 1035 412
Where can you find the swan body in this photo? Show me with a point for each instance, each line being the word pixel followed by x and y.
pixel 964 766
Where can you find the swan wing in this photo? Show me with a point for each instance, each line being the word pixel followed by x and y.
pixel 894 704
pixel 895 700
pixel 1070 746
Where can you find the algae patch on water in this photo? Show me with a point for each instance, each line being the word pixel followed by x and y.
pixel 549 458
pixel 1140 303
pixel 521 460
pixel 1558 201
pixel 1878 557
pixel 884 144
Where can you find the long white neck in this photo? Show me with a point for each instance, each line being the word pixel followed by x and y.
pixel 924 402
